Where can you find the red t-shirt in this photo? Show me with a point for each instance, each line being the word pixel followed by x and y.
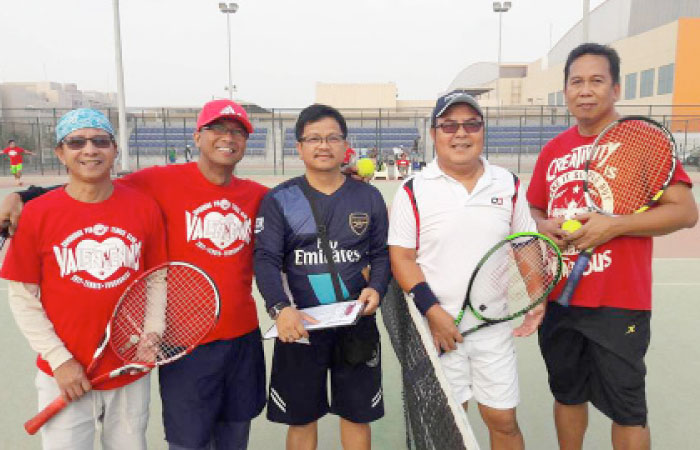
pixel 402 162
pixel 83 256
pixel 349 154
pixel 211 227
pixel 15 155
pixel 619 273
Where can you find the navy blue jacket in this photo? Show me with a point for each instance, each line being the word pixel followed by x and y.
pixel 286 242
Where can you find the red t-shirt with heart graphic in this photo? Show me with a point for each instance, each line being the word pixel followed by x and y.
pixel 83 256
pixel 210 226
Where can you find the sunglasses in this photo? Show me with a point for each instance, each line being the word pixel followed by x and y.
pixel 470 126
pixel 79 142
pixel 221 129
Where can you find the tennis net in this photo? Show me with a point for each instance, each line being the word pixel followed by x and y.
pixel 433 419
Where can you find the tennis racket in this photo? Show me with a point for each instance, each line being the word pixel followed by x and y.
pixel 629 167
pixel 513 277
pixel 161 316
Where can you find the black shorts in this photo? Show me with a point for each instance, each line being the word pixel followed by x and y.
pixel 597 355
pixel 299 382
pixel 219 382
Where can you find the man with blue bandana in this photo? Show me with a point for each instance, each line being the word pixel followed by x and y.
pixel 67 266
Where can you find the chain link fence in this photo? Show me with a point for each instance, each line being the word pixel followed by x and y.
pixel 514 135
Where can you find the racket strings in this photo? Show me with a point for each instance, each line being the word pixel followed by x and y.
pixel 514 278
pixel 632 163
pixel 163 315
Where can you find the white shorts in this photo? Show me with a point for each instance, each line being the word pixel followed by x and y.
pixel 484 368
pixel 122 414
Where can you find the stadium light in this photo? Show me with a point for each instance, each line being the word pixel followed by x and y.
pixel 228 9
pixel 500 8
pixel 121 100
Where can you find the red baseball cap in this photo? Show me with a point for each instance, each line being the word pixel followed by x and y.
pixel 217 109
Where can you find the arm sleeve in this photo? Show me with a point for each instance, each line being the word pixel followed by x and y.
pixel 35 324
pixel 268 258
pixel 402 223
pixel 33 192
pixel 380 269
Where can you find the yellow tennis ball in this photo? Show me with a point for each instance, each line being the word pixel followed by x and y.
pixel 571 225
pixel 365 167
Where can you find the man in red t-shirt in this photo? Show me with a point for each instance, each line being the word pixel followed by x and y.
pixel 594 349
pixel 79 249
pixel 15 154
pixel 212 395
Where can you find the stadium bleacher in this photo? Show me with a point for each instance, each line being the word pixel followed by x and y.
pixel 505 139
pixel 155 140
pixel 384 138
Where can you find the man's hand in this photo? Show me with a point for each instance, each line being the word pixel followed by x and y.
pixel 71 379
pixel 533 319
pixel 290 324
pixel 597 229
pixel 443 328
pixel 351 171
pixel 551 228
pixel 370 298
pixel 10 209
pixel 148 348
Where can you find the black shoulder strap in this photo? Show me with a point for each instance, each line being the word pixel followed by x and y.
pixel 516 182
pixel 322 229
pixel 408 187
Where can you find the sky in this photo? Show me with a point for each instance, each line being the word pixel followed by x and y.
pixel 175 52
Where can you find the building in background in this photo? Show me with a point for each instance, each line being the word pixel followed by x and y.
pixel 658 43
pixel 17 97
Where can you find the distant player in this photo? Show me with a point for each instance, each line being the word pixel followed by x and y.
pixel 402 164
pixel 349 158
pixel 67 266
pixel 15 154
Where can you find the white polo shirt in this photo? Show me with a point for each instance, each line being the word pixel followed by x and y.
pixel 457 228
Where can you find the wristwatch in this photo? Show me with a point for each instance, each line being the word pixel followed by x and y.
pixel 275 310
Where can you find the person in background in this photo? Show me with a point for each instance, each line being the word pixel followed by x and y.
pixel 15 153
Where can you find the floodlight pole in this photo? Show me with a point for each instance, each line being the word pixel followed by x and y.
pixel 586 20
pixel 499 8
pixel 229 9
pixel 121 101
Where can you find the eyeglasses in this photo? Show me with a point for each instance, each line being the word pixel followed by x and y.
pixel 331 139
pixel 221 129
pixel 470 126
pixel 78 142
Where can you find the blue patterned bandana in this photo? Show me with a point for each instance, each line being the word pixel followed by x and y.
pixel 79 119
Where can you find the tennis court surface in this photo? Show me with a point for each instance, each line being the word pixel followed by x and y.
pixel 673 362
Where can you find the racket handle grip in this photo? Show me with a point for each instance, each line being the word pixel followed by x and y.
pixel 32 425
pixel 574 278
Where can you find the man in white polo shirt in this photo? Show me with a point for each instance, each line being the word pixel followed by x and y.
pixel 463 206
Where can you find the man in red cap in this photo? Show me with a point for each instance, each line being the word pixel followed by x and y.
pixel 210 396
